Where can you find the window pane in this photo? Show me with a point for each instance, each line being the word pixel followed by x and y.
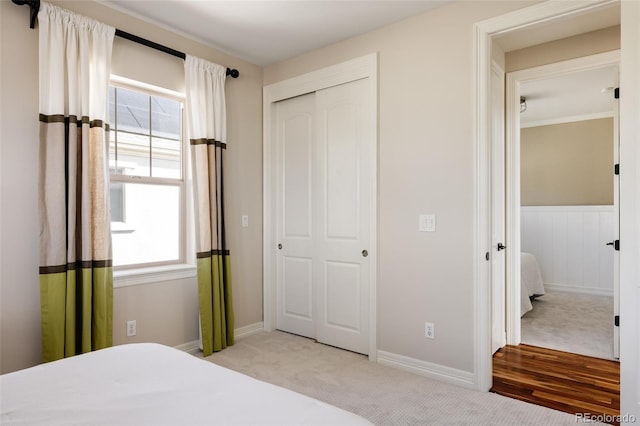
pixel 165 118
pixel 116 198
pixel 134 154
pixel 166 161
pixel 151 232
pixel 112 123
pixel 112 149
pixel 112 107
pixel 133 111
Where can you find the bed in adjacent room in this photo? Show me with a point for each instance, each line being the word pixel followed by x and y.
pixel 531 282
pixel 152 384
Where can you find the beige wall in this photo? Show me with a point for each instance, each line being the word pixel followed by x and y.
pixel 166 312
pixel 426 165
pixel 567 164
pixel 536 186
pixel 586 44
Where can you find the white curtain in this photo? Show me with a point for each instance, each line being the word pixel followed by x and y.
pixel 76 277
pixel 206 117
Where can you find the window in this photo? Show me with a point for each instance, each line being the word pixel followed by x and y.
pixel 146 162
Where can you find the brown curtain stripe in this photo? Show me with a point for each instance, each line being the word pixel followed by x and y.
pixel 60 118
pixel 81 264
pixel 205 254
pixel 204 141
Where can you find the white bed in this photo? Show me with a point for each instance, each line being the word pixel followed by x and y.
pixel 531 281
pixel 151 384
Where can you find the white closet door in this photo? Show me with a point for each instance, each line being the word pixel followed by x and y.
pixel 322 212
pixel 342 216
pixel 295 139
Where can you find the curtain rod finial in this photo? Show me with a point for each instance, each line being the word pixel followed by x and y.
pixel 233 72
pixel 34 8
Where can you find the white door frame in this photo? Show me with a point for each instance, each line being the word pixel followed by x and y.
pixel 356 69
pixel 484 32
pixel 514 79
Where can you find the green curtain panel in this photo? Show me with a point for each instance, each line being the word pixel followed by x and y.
pixel 76 276
pixel 206 121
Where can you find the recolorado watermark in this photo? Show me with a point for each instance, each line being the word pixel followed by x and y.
pixel 605 418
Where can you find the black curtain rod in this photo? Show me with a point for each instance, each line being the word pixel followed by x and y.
pixel 34 7
pixel 152 44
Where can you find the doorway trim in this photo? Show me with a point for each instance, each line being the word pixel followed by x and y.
pixel 484 32
pixel 365 67
pixel 513 81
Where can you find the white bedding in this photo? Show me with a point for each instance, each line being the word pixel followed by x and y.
pixel 531 281
pixel 151 384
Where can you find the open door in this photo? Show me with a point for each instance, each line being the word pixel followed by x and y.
pixel 616 227
pixel 497 254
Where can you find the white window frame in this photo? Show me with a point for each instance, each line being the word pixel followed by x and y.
pixel 184 267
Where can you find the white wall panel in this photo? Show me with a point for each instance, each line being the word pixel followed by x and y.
pixel 569 243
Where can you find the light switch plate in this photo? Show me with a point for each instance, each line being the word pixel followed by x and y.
pixel 427 223
pixel 245 221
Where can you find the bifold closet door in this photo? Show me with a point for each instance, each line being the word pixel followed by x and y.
pixel 323 208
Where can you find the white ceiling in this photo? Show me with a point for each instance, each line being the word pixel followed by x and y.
pixel 585 94
pixel 268 31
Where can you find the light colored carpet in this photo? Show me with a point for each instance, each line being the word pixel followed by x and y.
pixel 571 322
pixel 383 395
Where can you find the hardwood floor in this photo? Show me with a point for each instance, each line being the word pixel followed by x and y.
pixel 559 380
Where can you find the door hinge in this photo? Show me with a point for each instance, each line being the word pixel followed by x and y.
pixel 616 169
pixel 616 320
pixel 615 244
pixel 616 93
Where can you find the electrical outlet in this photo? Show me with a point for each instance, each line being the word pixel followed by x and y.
pixel 131 328
pixel 429 330
pixel 427 223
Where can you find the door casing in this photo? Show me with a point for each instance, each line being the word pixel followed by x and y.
pixel 365 67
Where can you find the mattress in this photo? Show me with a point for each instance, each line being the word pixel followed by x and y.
pixel 531 281
pixel 152 384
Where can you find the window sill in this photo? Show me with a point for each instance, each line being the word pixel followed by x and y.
pixel 131 277
pixel 121 228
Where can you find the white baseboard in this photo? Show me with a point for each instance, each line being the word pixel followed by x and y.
pixel 433 371
pixel 582 290
pixel 248 330
pixel 240 333
pixel 190 347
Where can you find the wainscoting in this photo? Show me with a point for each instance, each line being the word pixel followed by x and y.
pixel 569 243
